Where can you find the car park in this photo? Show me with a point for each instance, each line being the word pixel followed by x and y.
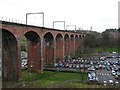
pixel 108 68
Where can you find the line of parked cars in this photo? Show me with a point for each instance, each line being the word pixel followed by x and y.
pixel 111 82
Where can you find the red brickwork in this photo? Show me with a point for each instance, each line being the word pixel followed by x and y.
pixel 37 52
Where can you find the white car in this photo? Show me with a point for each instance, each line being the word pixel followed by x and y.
pixel 113 71
pixel 111 82
pixel 70 66
pixel 56 65
pixel 105 83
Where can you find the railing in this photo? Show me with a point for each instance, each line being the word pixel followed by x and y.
pixel 12 20
pixel 17 21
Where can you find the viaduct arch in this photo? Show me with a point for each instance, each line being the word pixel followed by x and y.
pixel 45 45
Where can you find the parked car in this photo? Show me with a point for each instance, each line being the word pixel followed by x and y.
pixel 104 83
pixel 56 64
pixel 113 73
pixel 96 79
pixel 100 66
pixel 96 67
pixel 89 76
pixel 70 66
pixel 66 65
pixel 108 68
pixel 74 66
pixel 24 64
pixel 117 83
pixel 81 66
pixel 103 66
pixel 116 77
pixel 61 65
pixel 111 82
pixel 118 73
pixel 77 66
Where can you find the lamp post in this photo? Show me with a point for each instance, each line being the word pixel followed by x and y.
pixel 59 22
pixel 35 13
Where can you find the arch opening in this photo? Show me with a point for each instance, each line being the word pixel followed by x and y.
pixel 59 47
pixel 67 46
pixel 48 49
pixel 72 45
pixel 9 57
pixel 76 42
pixel 33 50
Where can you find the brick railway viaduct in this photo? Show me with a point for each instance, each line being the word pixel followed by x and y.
pixel 45 45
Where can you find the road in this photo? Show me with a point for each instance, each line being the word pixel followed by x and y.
pixel 105 75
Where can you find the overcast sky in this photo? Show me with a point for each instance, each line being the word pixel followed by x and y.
pixel 100 14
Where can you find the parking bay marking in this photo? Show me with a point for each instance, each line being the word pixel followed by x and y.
pixel 102 74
